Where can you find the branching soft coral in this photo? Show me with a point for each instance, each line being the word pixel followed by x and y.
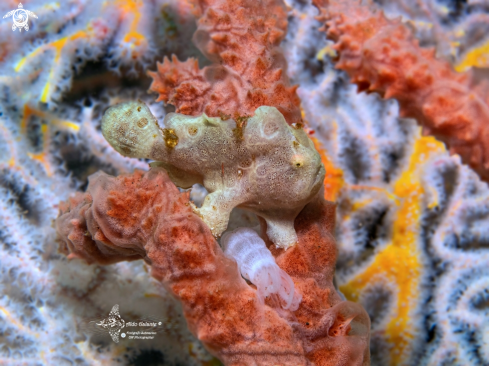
pixel 382 55
pixel 249 70
pixel 145 216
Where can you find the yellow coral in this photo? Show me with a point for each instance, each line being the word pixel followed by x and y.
pixel 57 46
pixel 399 262
pixel 130 11
pixel 46 130
pixel 478 57
pixel 333 180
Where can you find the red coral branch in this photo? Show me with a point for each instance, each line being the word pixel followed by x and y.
pixel 144 216
pixel 249 68
pixel 382 55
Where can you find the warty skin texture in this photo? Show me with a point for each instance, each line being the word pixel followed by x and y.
pixel 258 163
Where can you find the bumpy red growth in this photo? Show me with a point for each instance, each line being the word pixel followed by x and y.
pixel 382 55
pixel 242 38
pixel 144 216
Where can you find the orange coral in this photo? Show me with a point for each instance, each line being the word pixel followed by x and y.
pixel 249 68
pixel 145 216
pixel 382 55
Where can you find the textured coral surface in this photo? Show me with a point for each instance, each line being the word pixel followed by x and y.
pixel 397 192
pixel 248 71
pixel 47 151
pixel 220 308
pixel 382 55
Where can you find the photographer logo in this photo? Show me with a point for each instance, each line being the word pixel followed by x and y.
pixel 20 18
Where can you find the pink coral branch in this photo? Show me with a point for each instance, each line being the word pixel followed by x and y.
pixel 249 68
pixel 382 55
pixel 144 216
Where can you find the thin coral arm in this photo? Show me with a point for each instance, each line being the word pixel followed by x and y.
pixel 42 156
pixel 382 55
pixel 132 10
pixel 333 180
pixel 57 46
